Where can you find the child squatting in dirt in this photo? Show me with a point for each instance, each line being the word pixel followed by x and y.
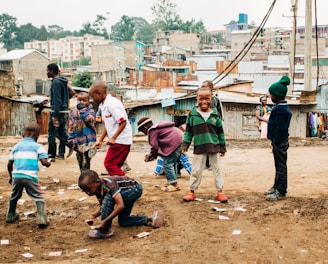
pixel 116 196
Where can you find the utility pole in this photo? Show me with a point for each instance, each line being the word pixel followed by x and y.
pixel 293 46
pixel 308 46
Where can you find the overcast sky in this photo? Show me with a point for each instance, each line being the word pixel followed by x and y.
pixel 72 14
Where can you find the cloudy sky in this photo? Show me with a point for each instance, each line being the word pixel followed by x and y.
pixel 72 14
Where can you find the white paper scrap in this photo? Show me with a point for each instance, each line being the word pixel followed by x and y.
pixel 55 254
pixel 222 217
pixel 240 209
pixel 82 199
pixel 1 197
pixel 60 192
pixel 212 201
pixel 27 255
pixel 29 213
pixel 143 234
pixel 21 201
pixel 199 199
pixel 219 209
pixel 81 250
pixel 56 180
pixel 4 242
pixel 236 232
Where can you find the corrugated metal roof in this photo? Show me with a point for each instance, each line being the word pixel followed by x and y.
pixel 18 54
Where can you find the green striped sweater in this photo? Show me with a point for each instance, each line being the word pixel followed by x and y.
pixel 208 135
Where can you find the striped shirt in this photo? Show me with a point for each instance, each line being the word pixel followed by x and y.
pixel 113 185
pixel 25 156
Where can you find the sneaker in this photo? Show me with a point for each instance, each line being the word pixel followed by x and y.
pixel 158 219
pixel 94 233
pixel 222 198
pixel 189 197
pixel 60 157
pixel 270 191
pixel 70 152
pixel 276 195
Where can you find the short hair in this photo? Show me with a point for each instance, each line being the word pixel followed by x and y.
pixel 32 129
pixel 99 87
pixel 90 174
pixel 202 89
pixel 53 67
pixel 84 94
pixel 207 83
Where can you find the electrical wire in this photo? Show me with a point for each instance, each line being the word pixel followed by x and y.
pixel 245 50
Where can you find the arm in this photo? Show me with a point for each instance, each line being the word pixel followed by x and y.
pixel 118 131
pixel 119 206
pixel 10 167
pixel 45 162
pixel 101 139
pixel 260 118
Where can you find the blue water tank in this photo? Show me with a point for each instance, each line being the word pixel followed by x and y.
pixel 243 18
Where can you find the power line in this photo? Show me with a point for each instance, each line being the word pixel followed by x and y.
pixel 245 50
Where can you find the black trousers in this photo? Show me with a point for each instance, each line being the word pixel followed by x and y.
pixel 280 162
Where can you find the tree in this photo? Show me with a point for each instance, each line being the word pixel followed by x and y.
pixel 28 32
pixel 82 79
pixel 96 28
pixel 8 32
pixel 124 30
pixel 166 16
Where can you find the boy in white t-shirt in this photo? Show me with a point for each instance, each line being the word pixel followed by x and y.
pixel 116 127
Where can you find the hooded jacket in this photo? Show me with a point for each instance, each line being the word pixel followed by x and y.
pixel 164 138
pixel 59 95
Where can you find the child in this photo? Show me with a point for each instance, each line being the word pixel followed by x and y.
pixel 82 131
pixel 23 171
pixel 116 195
pixel 204 126
pixel 165 140
pixel 278 134
pixel 116 127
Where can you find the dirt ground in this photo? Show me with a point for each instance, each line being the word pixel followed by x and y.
pixel 253 230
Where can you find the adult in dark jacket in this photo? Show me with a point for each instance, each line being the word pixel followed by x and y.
pixel 165 140
pixel 59 96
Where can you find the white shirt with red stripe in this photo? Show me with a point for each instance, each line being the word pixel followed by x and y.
pixel 113 113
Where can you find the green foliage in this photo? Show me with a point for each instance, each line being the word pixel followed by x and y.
pixel 124 30
pixel 166 16
pixel 95 28
pixel 8 32
pixel 82 79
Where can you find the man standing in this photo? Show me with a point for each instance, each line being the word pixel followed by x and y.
pixel 59 97
pixel 117 128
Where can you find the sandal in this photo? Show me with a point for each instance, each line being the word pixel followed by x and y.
pixel 95 233
pixel 170 188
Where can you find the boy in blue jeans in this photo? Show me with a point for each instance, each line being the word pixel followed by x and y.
pixel 278 126
pixel 23 172
pixel 116 196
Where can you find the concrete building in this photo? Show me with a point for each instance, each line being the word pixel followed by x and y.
pixel 67 49
pixel 29 68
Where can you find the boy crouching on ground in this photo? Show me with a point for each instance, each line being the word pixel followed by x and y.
pixel 116 196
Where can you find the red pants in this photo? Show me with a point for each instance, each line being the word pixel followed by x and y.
pixel 115 157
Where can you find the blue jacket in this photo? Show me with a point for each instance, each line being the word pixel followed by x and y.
pixel 278 124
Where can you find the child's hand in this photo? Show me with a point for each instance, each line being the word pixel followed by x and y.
pixel 222 154
pixel 90 220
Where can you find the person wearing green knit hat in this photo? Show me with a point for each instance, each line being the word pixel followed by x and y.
pixel 278 127
pixel 279 89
